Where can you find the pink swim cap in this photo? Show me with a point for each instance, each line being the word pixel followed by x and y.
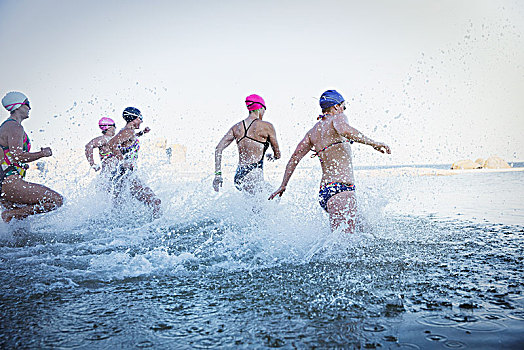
pixel 255 102
pixel 105 123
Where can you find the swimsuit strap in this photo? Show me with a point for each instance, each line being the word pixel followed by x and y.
pixel 317 153
pixel 105 155
pixel 8 120
pixel 248 137
pixel 265 143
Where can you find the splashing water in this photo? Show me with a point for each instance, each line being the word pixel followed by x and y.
pixel 435 258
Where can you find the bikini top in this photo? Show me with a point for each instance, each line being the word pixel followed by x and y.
pixel 317 153
pixel 266 143
pixel 8 161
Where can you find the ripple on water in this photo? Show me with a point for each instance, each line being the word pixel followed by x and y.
pixel 373 327
pixel 436 320
pixel 145 344
pixel 517 315
pixel 454 344
pixel 463 318
pixel 493 316
pixel 404 346
pixel 483 326
pixel 436 337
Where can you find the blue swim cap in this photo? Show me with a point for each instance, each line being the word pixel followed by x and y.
pixel 330 98
pixel 131 113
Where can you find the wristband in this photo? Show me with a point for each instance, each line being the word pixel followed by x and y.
pixel 219 173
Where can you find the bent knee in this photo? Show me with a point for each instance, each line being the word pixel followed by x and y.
pixel 55 198
pixel 59 201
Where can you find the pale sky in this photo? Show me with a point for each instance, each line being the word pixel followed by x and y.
pixel 436 80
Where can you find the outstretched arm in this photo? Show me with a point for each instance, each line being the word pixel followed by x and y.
pixel 274 143
pixel 342 127
pixel 226 141
pixel 302 149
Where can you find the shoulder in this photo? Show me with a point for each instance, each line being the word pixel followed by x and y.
pixel 267 125
pixel 125 132
pixel 235 127
pixel 12 127
pixel 340 118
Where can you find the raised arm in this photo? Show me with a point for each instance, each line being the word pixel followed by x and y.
pixel 15 142
pixel 341 125
pixel 302 149
pixel 226 141
pixel 274 143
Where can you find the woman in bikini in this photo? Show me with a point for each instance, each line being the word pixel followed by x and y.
pixel 330 139
pixel 19 197
pixel 108 127
pixel 124 148
pixel 253 137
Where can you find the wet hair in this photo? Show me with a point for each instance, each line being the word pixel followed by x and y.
pixel 324 111
pixel 254 110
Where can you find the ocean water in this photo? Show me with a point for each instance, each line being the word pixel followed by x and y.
pixel 437 263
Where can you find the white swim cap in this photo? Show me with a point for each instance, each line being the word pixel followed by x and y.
pixel 13 100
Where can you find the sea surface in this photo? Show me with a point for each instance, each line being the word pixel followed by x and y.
pixel 436 263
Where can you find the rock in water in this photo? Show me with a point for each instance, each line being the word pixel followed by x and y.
pixel 466 164
pixel 495 162
pixel 479 161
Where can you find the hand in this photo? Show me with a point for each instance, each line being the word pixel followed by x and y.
pixel 382 148
pixel 46 152
pixel 95 167
pixel 278 192
pixel 126 165
pixel 146 130
pixel 217 182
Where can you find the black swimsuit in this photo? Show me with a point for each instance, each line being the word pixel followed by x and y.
pixel 242 171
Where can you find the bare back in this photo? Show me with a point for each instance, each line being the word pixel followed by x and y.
pixel 249 150
pixel 333 149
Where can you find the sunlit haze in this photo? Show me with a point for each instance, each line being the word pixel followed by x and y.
pixel 436 80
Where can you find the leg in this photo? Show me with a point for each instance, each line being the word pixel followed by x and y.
pixel 146 195
pixel 342 209
pixel 35 198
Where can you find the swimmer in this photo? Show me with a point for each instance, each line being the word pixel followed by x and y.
pixel 330 139
pixel 124 147
pixel 108 127
pixel 21 198
pixel 253 137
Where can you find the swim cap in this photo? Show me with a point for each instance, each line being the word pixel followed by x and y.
pixel 105 123
pixel 330 98
pixel 255 102
pixel 13 100
pixel 131 113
